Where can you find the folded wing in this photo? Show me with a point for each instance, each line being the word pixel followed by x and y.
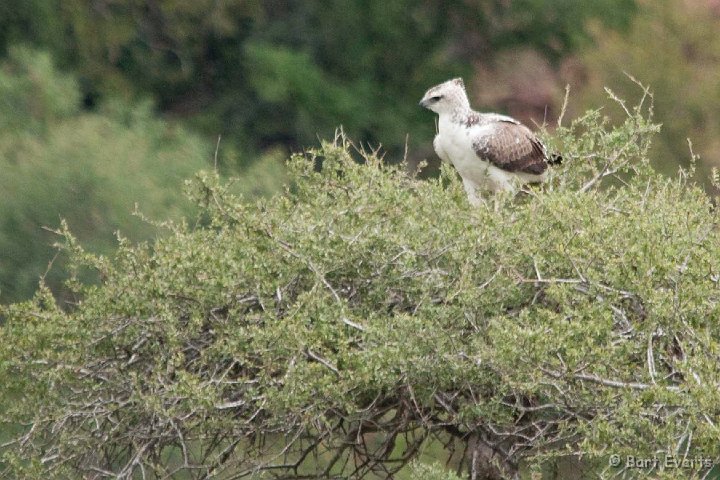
pixel 512 147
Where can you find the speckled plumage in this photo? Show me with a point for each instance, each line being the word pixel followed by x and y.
pixel 490 151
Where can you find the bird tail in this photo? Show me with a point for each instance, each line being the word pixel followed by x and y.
pixel 555 159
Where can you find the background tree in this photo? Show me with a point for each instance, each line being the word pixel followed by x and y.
pixel 268 77
pixel 681 68
pixel 88 168
pixel 265 74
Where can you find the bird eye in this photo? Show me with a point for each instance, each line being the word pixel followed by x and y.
pixel 436 98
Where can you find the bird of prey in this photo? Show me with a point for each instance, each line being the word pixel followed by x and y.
pixel 491 152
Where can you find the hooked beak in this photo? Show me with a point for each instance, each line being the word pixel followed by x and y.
pixel 423 103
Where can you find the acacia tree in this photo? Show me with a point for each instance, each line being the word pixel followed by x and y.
pixel 342 329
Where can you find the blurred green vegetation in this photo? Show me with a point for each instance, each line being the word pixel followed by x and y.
pixel 282 73
pixel 274 76
pixel 128 97
pixel 89 168
pixel 674 48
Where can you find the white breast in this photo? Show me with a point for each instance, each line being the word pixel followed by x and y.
pixel 454 143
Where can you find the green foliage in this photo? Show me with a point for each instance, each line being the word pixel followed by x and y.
pixel 90 169
pixel 431 472
pixel 34 94
pixel 29 21
pixel 556 27
pixel 307 100
pixel 162 47
pixel 264 74
pixel 683 78
pixel 338 328
pixel 363 64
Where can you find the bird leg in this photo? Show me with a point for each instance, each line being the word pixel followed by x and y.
pixel 471 190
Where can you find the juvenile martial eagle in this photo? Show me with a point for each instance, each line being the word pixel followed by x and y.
pixel 490 151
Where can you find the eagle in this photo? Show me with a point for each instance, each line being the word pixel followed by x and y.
pixel 491 152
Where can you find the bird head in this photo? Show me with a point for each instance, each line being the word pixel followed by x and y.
pixel 448 97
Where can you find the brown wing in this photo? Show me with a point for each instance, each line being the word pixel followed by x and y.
pixel 512 147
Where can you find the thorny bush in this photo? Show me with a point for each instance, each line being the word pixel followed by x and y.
pixel 341 329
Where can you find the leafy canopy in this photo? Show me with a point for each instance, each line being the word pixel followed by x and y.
pixel 340 328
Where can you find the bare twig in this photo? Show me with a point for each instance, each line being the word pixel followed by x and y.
pixel 564 106
pixel 215 157
pixel 322 361
pixel 608 382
